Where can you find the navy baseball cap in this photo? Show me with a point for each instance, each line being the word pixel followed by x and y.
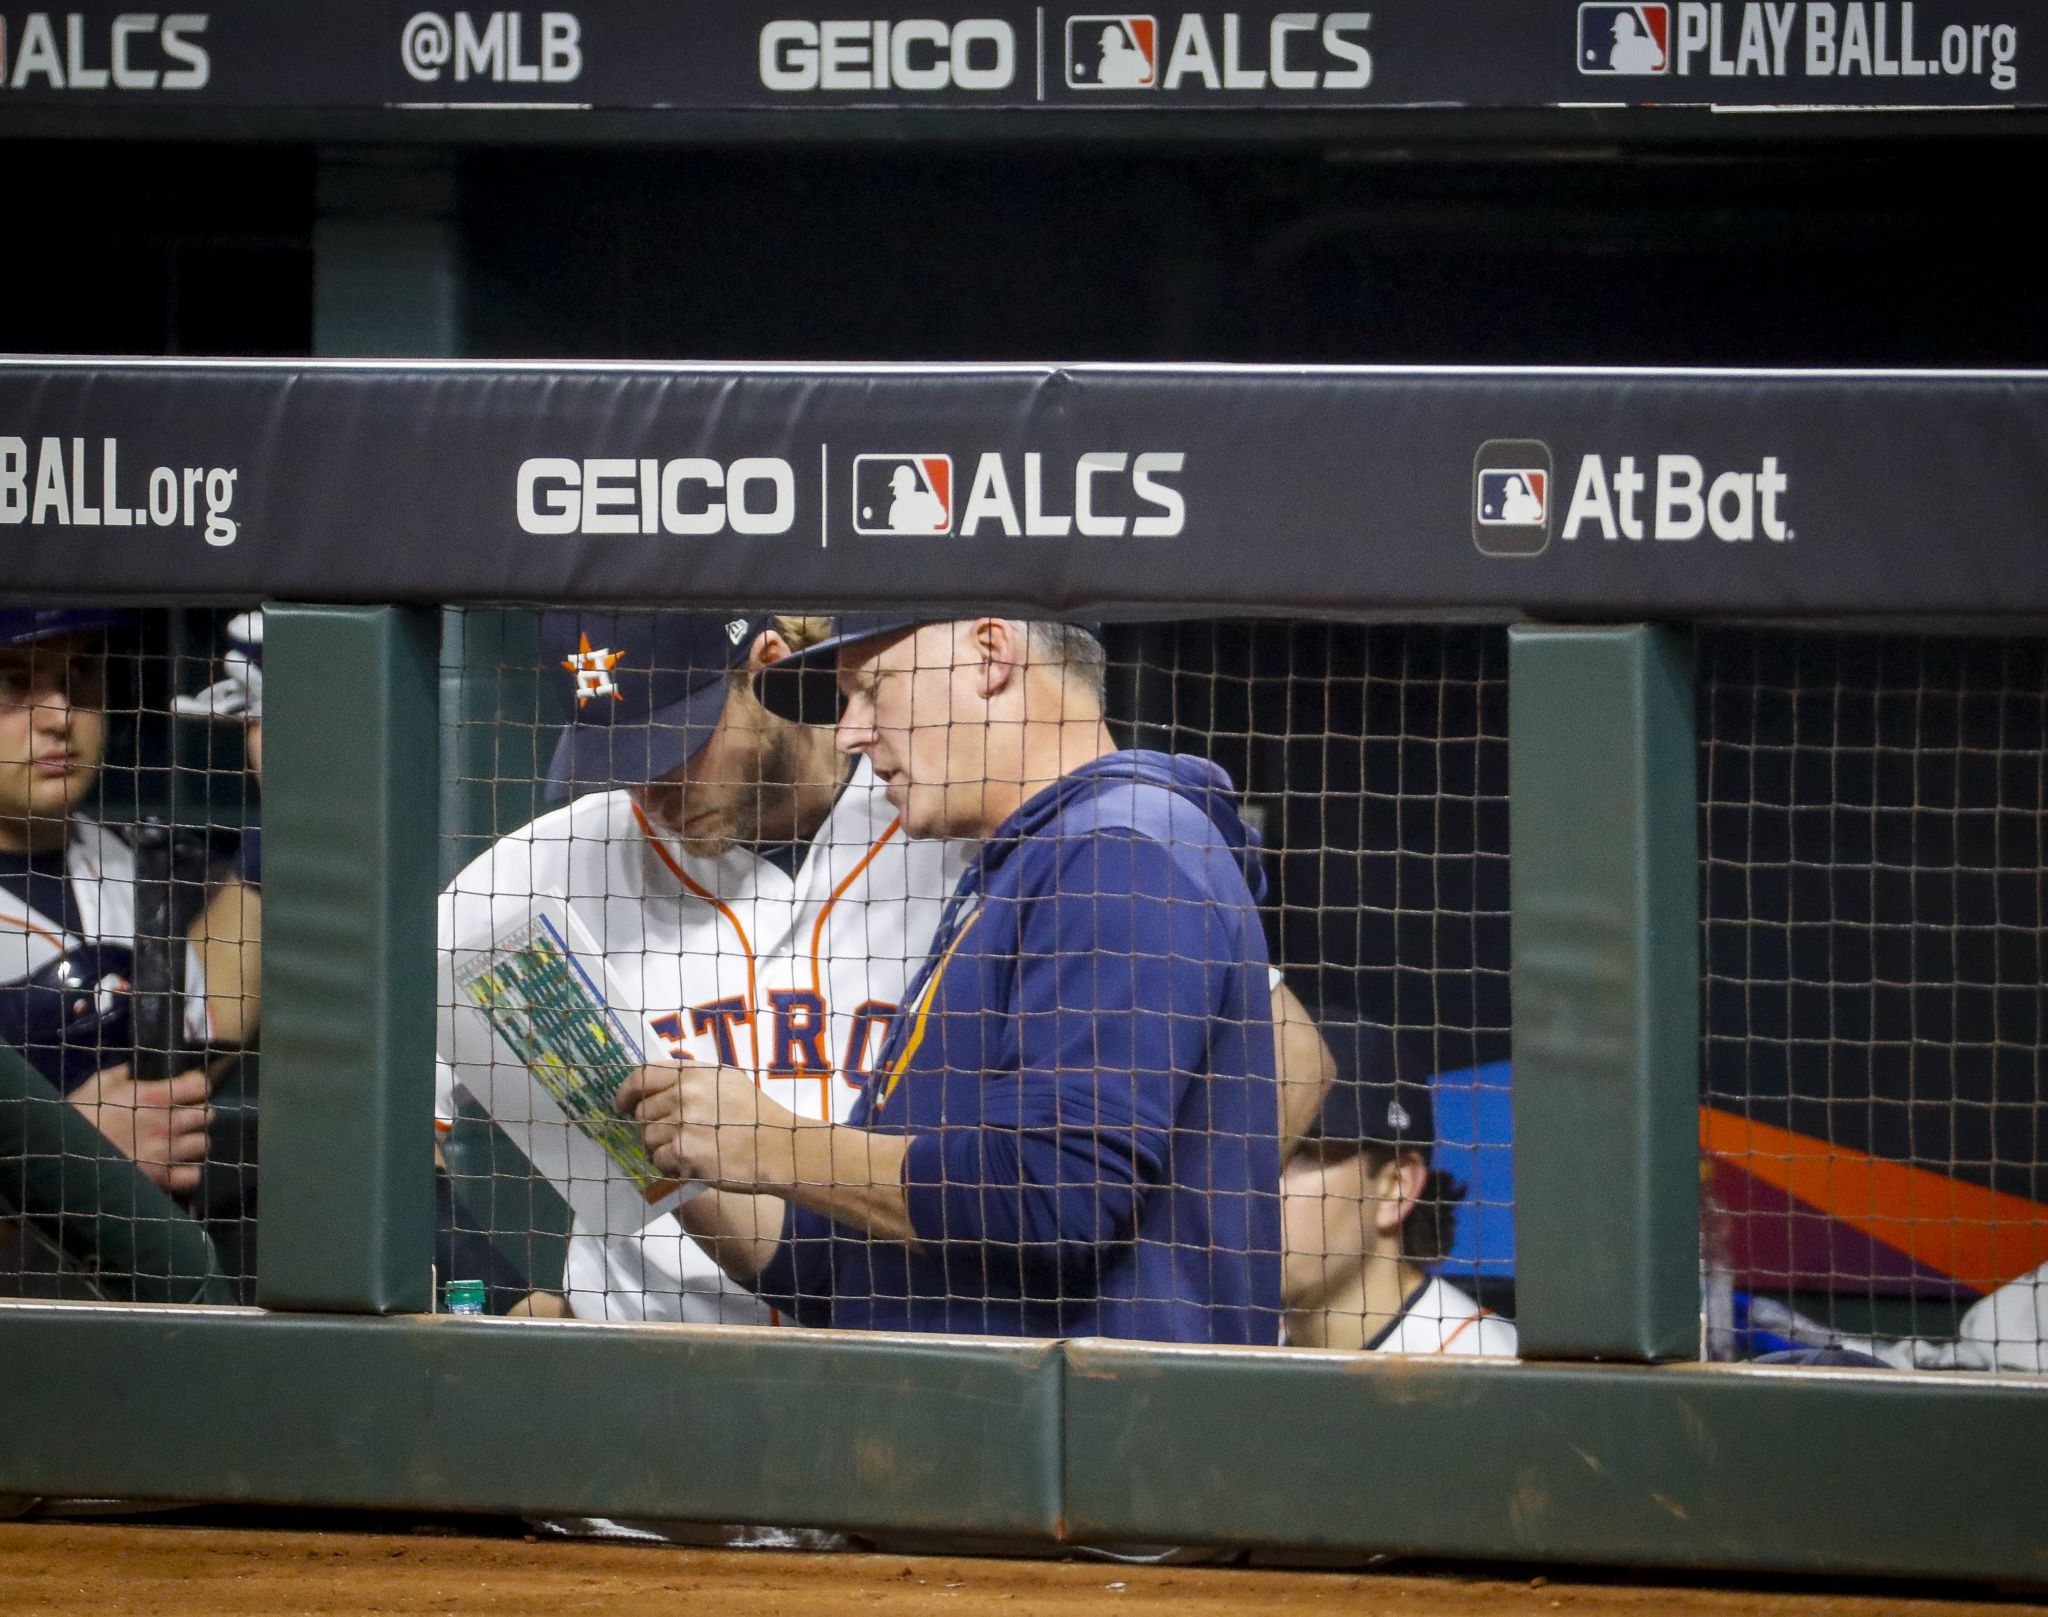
pixel 25 625
pixel 1371 1102
pixel 646 688
pixel 804 686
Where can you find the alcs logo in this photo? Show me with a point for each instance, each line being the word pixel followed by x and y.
pixel 1106 494
pixel 1302 50
pixel 135 51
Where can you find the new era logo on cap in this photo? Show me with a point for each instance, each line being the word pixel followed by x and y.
pixel 1511 497
pixel 1629 40
pixel 1112 51
pixel 907 494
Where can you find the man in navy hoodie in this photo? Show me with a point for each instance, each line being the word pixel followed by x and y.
pixel 1072 1130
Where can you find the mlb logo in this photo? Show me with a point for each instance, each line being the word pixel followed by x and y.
pixel 1511 497
pixel 907 494
pixel 1627 40
pixel 1112 52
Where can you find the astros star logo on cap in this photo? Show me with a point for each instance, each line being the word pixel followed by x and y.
pixel 593 671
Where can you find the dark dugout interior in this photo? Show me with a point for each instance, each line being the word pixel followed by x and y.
pixel 1744 250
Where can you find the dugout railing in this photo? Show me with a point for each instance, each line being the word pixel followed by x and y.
pixel 1608 1442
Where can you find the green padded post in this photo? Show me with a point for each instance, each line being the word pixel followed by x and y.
pixel 1604 900
pixel 350 807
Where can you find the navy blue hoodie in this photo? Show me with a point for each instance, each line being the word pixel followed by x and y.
pixel 1084 1066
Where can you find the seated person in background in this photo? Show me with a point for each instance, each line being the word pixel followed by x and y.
pixel 1366 1215
pixel 2006 1329
pixel 67 900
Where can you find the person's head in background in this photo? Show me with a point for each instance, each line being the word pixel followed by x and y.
pixel 663 706
pixel 1365 1213
pixel 53 725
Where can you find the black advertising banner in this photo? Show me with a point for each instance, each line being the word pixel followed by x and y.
pixel 743 55
pixel 1485 493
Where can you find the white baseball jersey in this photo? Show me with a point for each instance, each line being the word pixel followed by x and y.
pixel 100 869
pixel 1443 1319
pixel 733 960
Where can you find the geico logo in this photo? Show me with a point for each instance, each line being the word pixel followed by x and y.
pixel 616 495
pixel 1108 488
pixel 1299 48
pixel 917 54
pixel 1735 505
pixel 132 52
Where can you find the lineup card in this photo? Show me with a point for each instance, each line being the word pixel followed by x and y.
pixel 531 1033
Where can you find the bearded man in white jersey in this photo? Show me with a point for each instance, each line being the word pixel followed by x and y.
pixel 756 902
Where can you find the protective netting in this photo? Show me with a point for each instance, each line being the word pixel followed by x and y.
pixel 1872 838
pixel 129 979
pixel 1084 994
pixel 1873 825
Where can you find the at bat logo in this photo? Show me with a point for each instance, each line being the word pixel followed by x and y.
pixel 1112 52
pixel 906 494
pixel 1627 40
pixel 1683 500
pixel 136 50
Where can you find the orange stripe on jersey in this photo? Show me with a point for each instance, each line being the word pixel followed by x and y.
pixel 732 920
pixel 1464 1325
pixel 818 937
pixel 27 925
pixel 924 1007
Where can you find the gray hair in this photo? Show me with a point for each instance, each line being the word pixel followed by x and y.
pixel 1071 647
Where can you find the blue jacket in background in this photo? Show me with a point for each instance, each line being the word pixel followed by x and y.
pixel 1085 1068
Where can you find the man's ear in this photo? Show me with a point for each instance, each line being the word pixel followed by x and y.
pixel 1398 1189
pixel 768 647
pixel 998 648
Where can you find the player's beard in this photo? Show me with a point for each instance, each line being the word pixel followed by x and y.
pixel 769 808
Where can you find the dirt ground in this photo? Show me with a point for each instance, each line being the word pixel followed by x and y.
pixel 50 1569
